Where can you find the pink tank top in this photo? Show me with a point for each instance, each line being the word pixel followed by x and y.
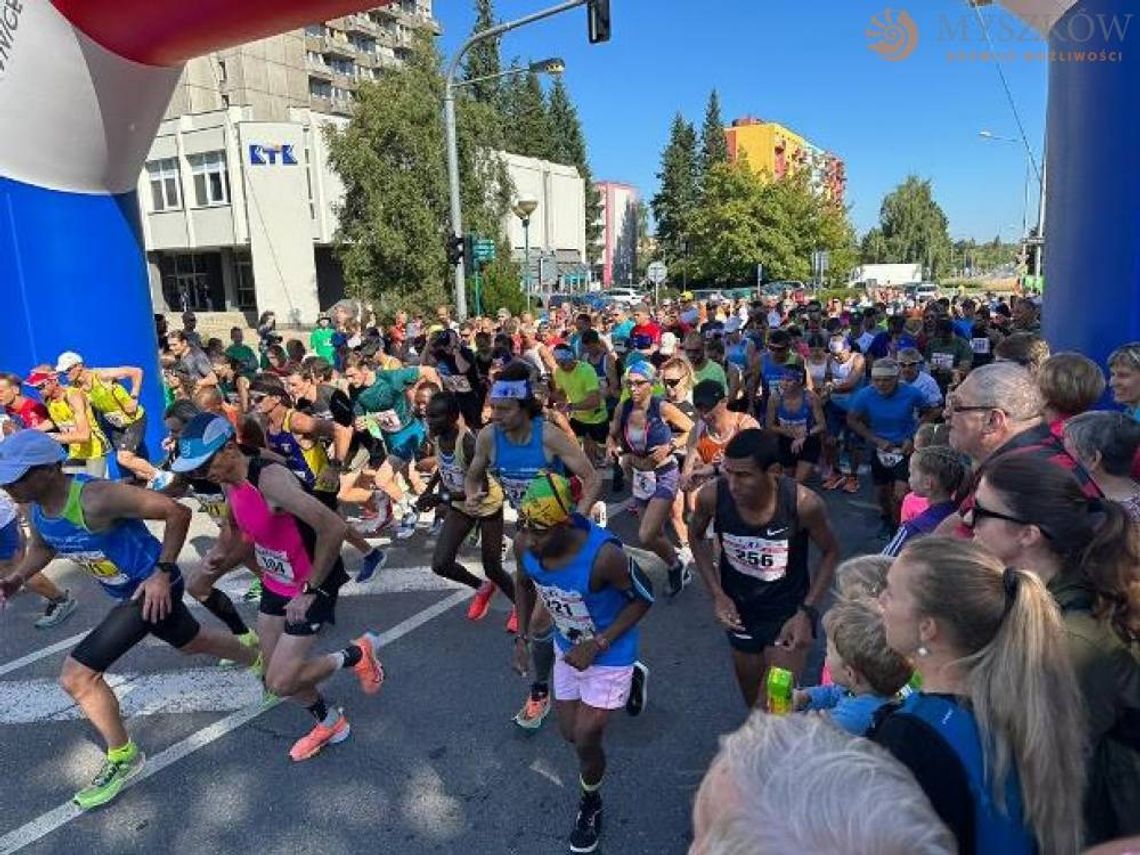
pixel 277 542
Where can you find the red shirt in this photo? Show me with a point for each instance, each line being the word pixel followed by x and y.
pixel 650 329
pixel 30 414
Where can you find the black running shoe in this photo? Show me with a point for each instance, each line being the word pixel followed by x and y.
pixel 588 827
pixel 638 689
pixel 679 578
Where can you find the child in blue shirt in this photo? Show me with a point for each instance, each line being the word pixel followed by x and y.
pixel 867 673
pixel 937 474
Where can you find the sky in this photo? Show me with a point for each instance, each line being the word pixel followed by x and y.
pixel 809 67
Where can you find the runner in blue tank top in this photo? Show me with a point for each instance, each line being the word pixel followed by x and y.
pixel 515 447
pixel 596 596
pixel 99 525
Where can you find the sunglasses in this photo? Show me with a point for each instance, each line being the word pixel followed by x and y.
pixel 979 512
pixel 637 384
pixel 257 397
pixel 909 364
pixel 778 348
pixel 672 382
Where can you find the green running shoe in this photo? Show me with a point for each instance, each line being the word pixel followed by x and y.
pixel 253 595
pixel 109 780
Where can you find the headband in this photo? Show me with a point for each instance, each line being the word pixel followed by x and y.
pixel 642 368
pixel 517 390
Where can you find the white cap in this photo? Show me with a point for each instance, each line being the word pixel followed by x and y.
pixel 67 360
pixel 668 344
pixel 733 324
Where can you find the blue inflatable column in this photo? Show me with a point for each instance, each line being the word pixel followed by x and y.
pixel 76 121
pixel 1092 228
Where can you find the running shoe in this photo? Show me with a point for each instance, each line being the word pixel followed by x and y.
pixel 508 544
pixel 57 611
pixel 588 825
pixel 436 526
pixel 685 555
pixel 247 639
pixel 312 742
pixel 378 520
pixel 534 711
pixel 368 670
pixel 160 481
pixel 482 602
pixel 851 484
pixel 679 578
pixel 600 514
pixel 833 481
pixel 109 780
pixel 373 561
pixel 633 508
pixel 638 689
pixel 408 525
pixel 253 595
pixel 513 621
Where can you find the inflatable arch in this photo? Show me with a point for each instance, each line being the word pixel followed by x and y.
pixel 83 86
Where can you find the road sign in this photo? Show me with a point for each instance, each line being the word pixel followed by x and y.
pixel 657 272
pixel 484 249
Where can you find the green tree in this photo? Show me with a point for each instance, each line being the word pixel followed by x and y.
pixel 676 201
pixel 569 146
pixel 714 144
pixel 874 249
pixel 394 215
pixel 914 227
pixel 500 285
pixel 528 128
pixel 483 59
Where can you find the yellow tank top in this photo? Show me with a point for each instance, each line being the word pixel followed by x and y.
pixel 312 450
pixel 64 419
pixel 111 401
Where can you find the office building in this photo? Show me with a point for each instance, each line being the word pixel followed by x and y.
pixel 620 235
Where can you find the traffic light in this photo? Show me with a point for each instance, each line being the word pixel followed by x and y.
pixel 598 20
pixel 469 253
pixel 454 249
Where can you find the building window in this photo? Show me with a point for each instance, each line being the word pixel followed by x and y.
pixel 211 179
pixel 309 177
pixel 246 293
pixel 315 30
pixel 186 283
pixel 221 71
pixel 319 88
pixel 164 185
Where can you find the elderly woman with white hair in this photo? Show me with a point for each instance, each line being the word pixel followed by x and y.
pixel 800 784
pixel 1106 444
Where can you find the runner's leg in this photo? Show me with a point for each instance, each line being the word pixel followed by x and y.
pixel 750 669
pixel 456 526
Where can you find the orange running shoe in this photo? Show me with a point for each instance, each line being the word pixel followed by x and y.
pixel 834 481
pixel 316 739
pixel 368 669
pixel 534 711
pixel 852 484
pixel 513 621
pixel 482 602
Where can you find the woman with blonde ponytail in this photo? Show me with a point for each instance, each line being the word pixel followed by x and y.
pixel 995 737
pixel 1032 514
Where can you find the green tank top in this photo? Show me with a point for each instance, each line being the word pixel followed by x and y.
pixel 113 402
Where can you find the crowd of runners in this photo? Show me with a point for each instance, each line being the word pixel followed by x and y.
pixel 990 652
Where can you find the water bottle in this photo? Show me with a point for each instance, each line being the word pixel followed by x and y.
pixel 780 685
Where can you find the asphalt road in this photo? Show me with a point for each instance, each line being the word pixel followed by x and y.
pixel 434 763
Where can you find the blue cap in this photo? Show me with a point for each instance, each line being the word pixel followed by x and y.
pixel 203 436
pixel 25 449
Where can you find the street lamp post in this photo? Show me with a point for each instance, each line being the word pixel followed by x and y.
pixel 449 128
pixel 523 208
pixel 1038 246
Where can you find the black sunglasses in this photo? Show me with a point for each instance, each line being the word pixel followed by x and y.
pixel 672 382
pixel 979 511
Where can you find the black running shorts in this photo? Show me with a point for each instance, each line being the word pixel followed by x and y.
pixel 322 611
pixel 124 627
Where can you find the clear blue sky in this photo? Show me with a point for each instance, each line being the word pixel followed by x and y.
pixel 806 66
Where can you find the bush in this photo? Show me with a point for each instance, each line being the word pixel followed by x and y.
pixel 825 294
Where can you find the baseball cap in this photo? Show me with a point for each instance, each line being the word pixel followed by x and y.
pixel 25 449
pixel 68 360
pixel 668 344
pixel 38 376
pixel 203 437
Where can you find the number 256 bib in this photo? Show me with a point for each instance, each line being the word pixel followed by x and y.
pixel 758 557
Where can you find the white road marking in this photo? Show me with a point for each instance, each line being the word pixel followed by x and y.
pixel 56 818
pixel 191 690
pixel 37 655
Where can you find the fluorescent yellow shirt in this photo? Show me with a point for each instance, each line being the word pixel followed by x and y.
pixel 577 386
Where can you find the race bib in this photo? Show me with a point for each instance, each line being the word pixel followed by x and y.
pixel 118 419
pixel 644 484
pixel 758 557
pixel 455 383
pixel 569 611
pixel 798 428
pixel 274 562
pixel 889 459
pixel 389 420
pixel 980 345
pixel 942 361
pixel 102 568
pixel 515 489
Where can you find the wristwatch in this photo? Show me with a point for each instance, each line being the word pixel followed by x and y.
pixel 309 589
pixel 811 611
pixel 167 567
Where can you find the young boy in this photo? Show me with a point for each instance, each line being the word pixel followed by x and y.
pixel 867 673
pixel 937 473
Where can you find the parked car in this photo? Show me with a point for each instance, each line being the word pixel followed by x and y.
pixel 624 296
pixel 927 291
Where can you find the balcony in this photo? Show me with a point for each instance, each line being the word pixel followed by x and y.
pixel 337 47
pixel 361 23
pixel 321 72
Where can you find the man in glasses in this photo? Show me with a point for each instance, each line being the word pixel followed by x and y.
pixel 100 525
pixel 912 374
pixel 997 411
pixel 596 596
pixel 703 368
